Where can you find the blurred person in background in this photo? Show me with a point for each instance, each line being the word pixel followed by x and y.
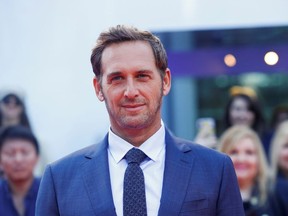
pixel 279 114
pixel 243 108
pixel 19 153
pixel 279 152
pixel 279 161
pixel 244 147
pixel 13 111
pixel 206 134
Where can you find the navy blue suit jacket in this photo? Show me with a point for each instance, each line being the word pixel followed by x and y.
pixel 197 181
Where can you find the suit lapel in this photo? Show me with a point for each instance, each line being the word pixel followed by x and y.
pixel 96 179
pixel 178 167
pixel 177 175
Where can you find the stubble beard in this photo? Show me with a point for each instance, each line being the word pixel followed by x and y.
pixel 139 121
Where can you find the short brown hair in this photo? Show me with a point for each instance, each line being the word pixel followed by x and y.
pixel 122 33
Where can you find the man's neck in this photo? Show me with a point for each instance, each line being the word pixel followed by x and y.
pixel 137 137
pixel 20 188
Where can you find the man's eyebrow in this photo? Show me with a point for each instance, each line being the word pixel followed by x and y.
pixel 114 73
pixel 144 71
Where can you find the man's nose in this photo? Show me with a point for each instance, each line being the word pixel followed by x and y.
pixel 18 157
pixel 131 89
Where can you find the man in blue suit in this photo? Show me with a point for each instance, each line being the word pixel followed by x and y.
pixel 180 177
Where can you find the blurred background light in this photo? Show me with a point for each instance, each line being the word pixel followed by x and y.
pixel 271 58
pixel 230 60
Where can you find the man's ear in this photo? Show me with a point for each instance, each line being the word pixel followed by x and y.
pixel 97 88
pixel 167 82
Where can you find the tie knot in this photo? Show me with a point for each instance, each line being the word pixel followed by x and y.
pixel 135 155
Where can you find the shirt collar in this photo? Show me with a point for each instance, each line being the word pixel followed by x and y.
pixel 118 147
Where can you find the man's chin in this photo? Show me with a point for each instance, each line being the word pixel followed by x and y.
pixel 134 123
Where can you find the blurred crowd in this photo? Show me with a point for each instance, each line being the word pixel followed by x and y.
pixel 259 153
pixel 19 155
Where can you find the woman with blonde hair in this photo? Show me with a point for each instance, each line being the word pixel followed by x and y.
pixel 244 147
pixel 279 152
pixel 279 161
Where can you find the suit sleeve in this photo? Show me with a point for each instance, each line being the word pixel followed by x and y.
pixel 229 200
pixel 46 203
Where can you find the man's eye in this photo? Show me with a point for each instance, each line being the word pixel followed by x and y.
pixel 116 78
pixel 9 153
pixel 142 76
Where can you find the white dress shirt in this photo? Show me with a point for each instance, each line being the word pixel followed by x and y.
pixel 153 169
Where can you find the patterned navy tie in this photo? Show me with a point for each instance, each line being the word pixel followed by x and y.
pixel 134 200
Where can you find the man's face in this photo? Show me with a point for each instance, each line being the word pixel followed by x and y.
pixel 18 159
pixel 131 86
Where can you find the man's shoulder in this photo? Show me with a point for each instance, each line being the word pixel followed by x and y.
pixel 198 150
pixel 201 155
pixel 78 157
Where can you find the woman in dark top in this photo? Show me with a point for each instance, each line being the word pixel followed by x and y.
pixel 243 108
pixel 19 153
